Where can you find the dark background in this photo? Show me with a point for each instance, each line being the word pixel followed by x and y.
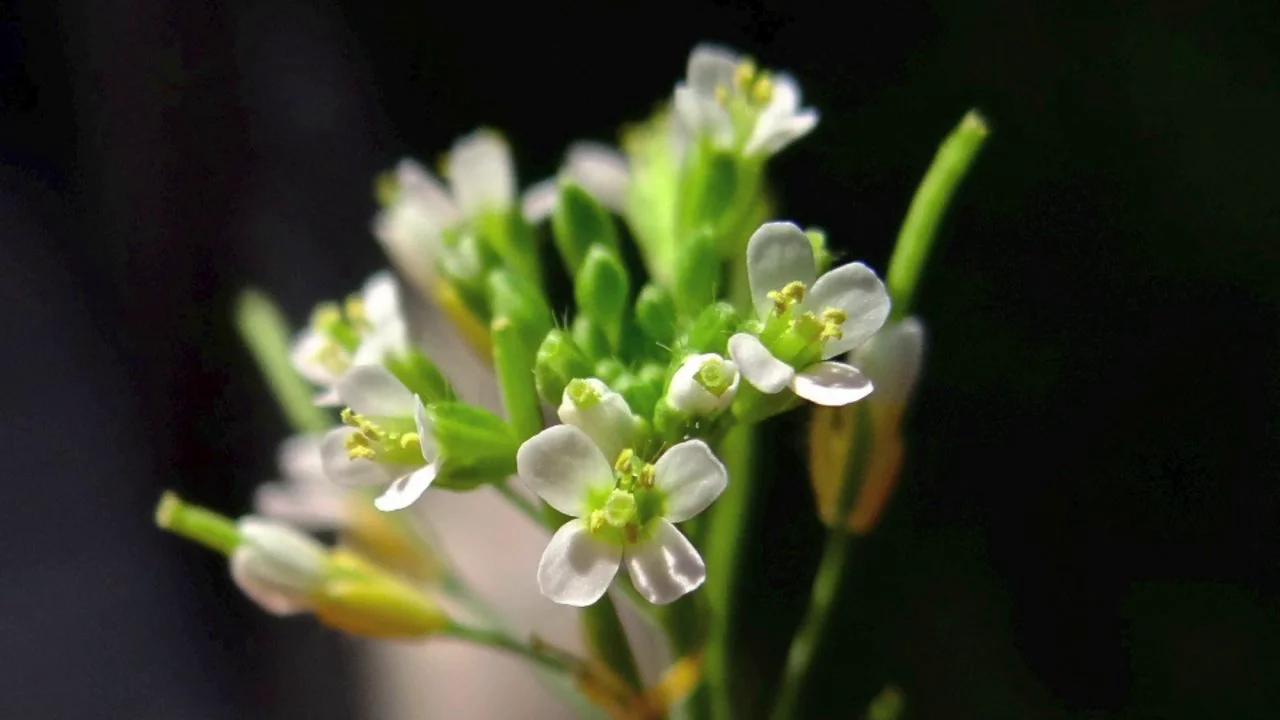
pixel 1089 523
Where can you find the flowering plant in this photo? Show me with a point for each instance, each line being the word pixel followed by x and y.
pixel 658 372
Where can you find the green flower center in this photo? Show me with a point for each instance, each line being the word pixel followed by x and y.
pixel 625 513
pixel 797 336
pixel 392 441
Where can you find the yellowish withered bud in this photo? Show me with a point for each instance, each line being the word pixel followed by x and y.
pixel 361 599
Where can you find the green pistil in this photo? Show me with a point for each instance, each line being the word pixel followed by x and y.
pixel 620 508
pixel 581 393
pixel 712 377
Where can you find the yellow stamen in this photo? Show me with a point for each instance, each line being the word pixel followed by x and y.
pixel 762 89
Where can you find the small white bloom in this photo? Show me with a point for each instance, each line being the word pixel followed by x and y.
pixel 703 385
pixel 814 319
pixel 386 439
pixel 412 227
pixel 589 405
pixel 621 515
pixel 601 170
pixel 364 331
pixel 277 566
pixel 304 495
pixel 726 98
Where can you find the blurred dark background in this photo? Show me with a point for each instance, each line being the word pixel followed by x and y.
pixel 1089 525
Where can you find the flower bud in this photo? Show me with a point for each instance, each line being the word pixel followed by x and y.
pixel 712 328
pixel 278 567
pixel 362 600
pixel 558 361
pixel 697 273
pixel 578 223
pixel 601 413
pixel 704 385
pixel 656 314
pixel 601 289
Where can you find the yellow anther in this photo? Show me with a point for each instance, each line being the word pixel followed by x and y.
pixel 361 453
pixel 794 291
pixel 744 74
pixel 645 479
pixel 808 327
pixel 762 89
pixel 834 315
pixel 722 95
pixel 349 417
pixel 355 440
pixel 623 463
pixel 355 312
pixel 409 440
pixel 325 316
pixel 831 331
pixel 597 521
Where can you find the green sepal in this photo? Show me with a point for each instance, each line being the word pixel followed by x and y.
pixel 421 376
pixel 476 447
pixel 697 273
pixel 602 289
pixel 591 338
pixel 711 330
pixel 558 360
pixel 578 223
pixel 511 239
pixel 522 303
pixel 656 313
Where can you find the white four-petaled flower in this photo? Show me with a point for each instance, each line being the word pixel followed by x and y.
pixel 362 332
pixel 725 97
pixel 304 495
pixel 621 515
pixel 806 320
pixel 386 439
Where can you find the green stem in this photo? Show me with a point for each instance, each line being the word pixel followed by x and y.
pixel 608 641
pixel 266 333
pixel 808 640
pixel 214 531
pixel 920 226
pixel 500 640
pixel 685 624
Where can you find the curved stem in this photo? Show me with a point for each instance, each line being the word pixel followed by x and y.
pixel 540 655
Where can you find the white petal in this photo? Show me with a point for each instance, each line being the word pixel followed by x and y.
pixel 327 398
pixel 665 567
pixel 782 121
pixel 892 359
pixel 426 434
pixel 692 478
pixel 539 201
pixel 561 464
pixel 247 573
pixel 765 372
pixel 481 173
pixel 777 254
pixel 576 569
pixel 855 289
pixel 601 171
pixel 305 353
pixel 711 66
pixel 420 190
pixel 381 298
pixel 344 471
pixel 298 458
pixel 372 390
pixel 831 383
pixel 406 490
pixel 608 422
pixel 308 507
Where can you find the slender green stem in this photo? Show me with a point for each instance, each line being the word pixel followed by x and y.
pixel 608 641
pixel 501 640
pixel 521 503
pixel 920 227
pixel 828 580
pixel 214 531
pixel 266 333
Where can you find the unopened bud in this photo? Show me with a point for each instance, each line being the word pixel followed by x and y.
pixel 703 385
pixel 277 566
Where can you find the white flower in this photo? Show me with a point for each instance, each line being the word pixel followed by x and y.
pixel 726 98
pixel 304 496
pixel 805 322
pixel 703 385
pixel 601 170
pixel 386 439
pixel 364 331
pixel 423 216
pixel 620 515
pixel 589 405
pixel 278 567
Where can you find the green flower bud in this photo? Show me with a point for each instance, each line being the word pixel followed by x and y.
pixel 591 338
pixel 656 314
pixel 476 446
pixel 522 303
pixel 558 361
pixel 421 376
pixel 711 330
pixel 697 273
pixel 601 289
pixel 578 223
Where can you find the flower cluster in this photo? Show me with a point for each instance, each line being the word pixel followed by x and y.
pixel 727 319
